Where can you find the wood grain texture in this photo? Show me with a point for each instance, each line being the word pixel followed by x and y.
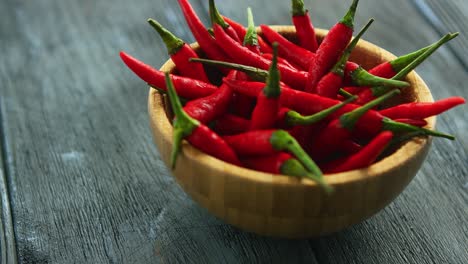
pixel 88 184
pixel 7 236
pixel 448 16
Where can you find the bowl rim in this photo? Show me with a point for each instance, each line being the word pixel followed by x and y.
pixel 396 159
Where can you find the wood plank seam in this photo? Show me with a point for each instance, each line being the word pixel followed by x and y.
pixel 429 15
pixel 8 248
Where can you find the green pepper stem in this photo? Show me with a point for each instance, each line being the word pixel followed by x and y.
pixel 272 88
pixel 394 126
pixel 293 167
pixel 378 90
pixel 162 91
pixel 255 73
pixel 350 119
pixel 402 138
pixel 401 62
pixel 173 43
pixel 361 77
pixel 282 140
pixel 183 123
pixel 297 8
pixel 348 19
pixel 401 74
pixel 294 118
pixel 215 16
pixel 339 67
pixel 345 93
pixel 251 37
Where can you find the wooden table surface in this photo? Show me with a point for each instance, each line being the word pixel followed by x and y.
pixel 82 182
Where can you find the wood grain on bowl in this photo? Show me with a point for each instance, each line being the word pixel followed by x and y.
pixel 278 205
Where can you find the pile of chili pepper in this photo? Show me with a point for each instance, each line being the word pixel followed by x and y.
pixel 294 108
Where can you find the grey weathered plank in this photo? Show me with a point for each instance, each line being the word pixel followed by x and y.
pixel 89 185
pixel 448 16
pixel 7 236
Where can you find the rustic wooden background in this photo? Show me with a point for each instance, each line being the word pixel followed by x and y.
pixel 81 181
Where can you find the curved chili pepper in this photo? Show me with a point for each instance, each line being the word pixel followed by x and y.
pixel 241 31
pixel 267 142
pixel 368 94
pixel 265 112
pixel 365 157
pixel 180 53
pixel 283 61
pixel 207 109
pixel 358 76
pixel 199 135
pixel 243 55
pixel 204 39
pixel 340 129
pixel 282 163
pixel 350 147
pixel 421 110
pixel 331 48
pixel 413 122
pixel 254 73
pixel 304 28
pixel 371 123
pixel 216 18
pixel 288 50
pixel 331 83
pixel 391 68
pixel 229 124
pixel 186 87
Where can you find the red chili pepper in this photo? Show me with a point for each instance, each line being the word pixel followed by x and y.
pixel 302 102
pixel 229 124
pixel 265 112
pixel 340 129
pixel 281 163
pixel 391 68
pixel 243 105
pixel 241 31
pixel 199 135
pixel 413 122
pixel 204 39
pixel 371 123
pixel 286 63
pixel 331 48
pixel 350 147
pixel 368 94
pixel 331 83
pixel 365 157
pixel 216 18
pixel 267 142
pixel 421 110
pixel 180 53
pixel 243 55
pixel 290 51
pixel 354 74
pixel 186 87
pixel 207 109
pixel 304 28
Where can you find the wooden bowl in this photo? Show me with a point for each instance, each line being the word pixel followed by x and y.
pixel 284 206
